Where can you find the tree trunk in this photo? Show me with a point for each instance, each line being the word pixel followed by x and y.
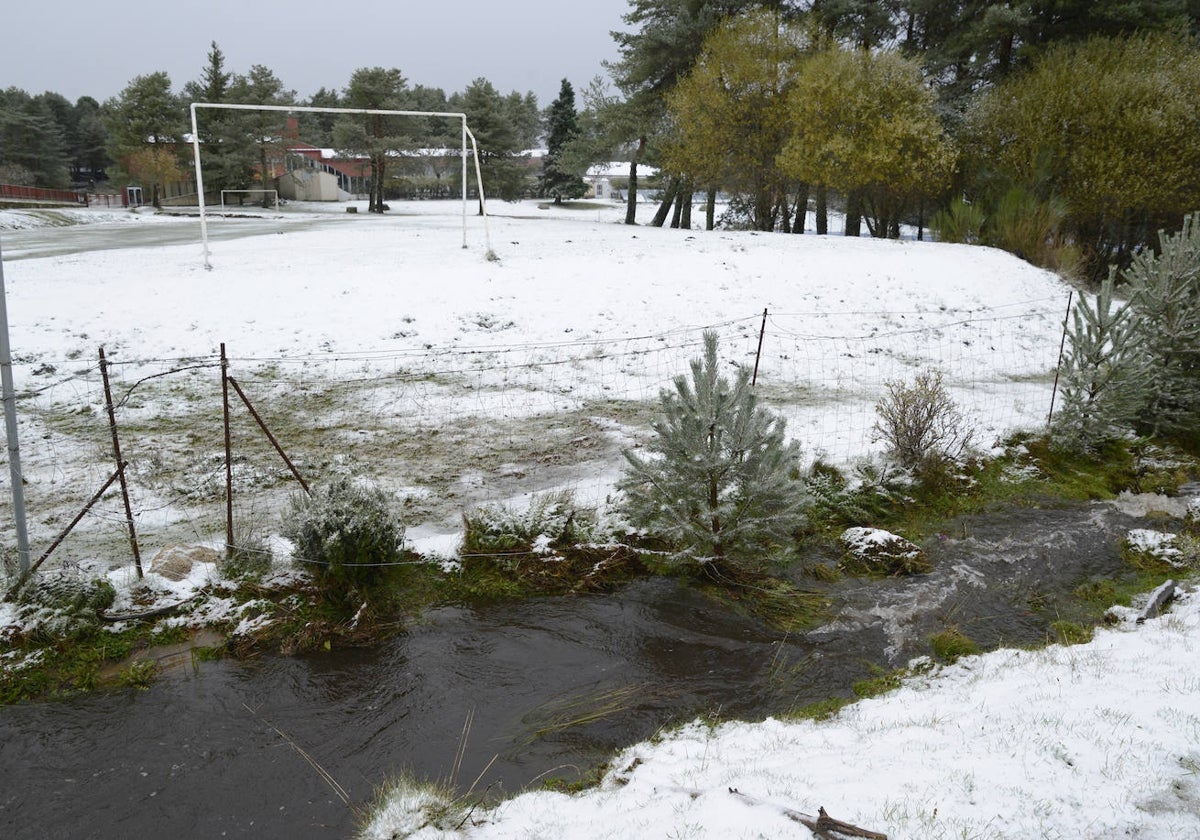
pixel 262 166
pixel 685 221
pixel 822 211
pixel 801 209
pixel 664 207
pixel 677 213
pixel 631 198
pixel 853 214
pixel 710 209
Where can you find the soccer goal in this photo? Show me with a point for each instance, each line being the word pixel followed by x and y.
pixel 273 195
pixel 468 139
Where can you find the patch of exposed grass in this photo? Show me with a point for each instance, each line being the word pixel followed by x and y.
pixel 951 644
pixel 1071 633
pixel 881 683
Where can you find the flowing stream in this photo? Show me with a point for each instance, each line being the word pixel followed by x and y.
pixel 501 697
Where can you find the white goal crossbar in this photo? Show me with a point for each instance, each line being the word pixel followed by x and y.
pixel 466 136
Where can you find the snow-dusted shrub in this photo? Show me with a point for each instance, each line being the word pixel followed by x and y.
pixel 552 521
pixel 721 483
pixel 920 424
pixel 346 533
pixel 61 604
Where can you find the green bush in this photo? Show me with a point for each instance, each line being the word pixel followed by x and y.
pixel 346 534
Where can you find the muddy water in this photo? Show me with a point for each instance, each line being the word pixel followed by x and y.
pixel 541 687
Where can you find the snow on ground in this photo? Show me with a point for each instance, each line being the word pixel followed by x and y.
pixel 1100 740
pixel 500 377
pixel 577 320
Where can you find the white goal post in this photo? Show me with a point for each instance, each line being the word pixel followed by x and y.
pixel 273 193
pixel 466 135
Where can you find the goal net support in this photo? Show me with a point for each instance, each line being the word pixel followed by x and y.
pixel 467 138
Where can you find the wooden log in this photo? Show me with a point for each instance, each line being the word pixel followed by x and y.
pixel 1159 598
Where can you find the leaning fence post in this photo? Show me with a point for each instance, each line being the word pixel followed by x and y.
pixel 1061 346
pixel 758 353
pixel 228 456
pixel 116 442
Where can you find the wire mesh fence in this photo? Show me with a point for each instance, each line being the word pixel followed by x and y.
pixel 448 428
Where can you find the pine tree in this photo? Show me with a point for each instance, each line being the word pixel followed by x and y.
pixel 722 481
pixel 145 123
pixel 1165 291
pixel 563 127
pixel 1103 375
pixel 491 118
pixel 375 135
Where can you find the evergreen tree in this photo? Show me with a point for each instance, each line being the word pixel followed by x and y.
pixel 253 140
pixel 721 483
pixel 499 140
pixel 1103 374
pixel 33 146
pixel 378 136
pixel 558 179
pixel 667 39
pixel 1165 290
pixel 145 124
pixel 318 128
pixel 526 118
pixel 221 168
pixel 89 155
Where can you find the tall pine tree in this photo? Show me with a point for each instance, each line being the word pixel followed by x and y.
pixel 558 181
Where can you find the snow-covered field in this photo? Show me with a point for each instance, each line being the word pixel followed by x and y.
pixel 382 347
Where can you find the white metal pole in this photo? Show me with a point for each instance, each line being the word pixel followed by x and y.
pixel 464 179
pixel 200 187
pixel 487 234
pixel 10 425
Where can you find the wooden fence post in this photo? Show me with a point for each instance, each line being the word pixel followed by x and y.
pixel 116 442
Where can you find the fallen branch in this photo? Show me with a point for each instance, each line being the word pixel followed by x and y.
pixel 157 611
pixel 1159 598
pixel 822 825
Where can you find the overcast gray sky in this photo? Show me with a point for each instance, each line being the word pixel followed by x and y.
pixel 95 47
